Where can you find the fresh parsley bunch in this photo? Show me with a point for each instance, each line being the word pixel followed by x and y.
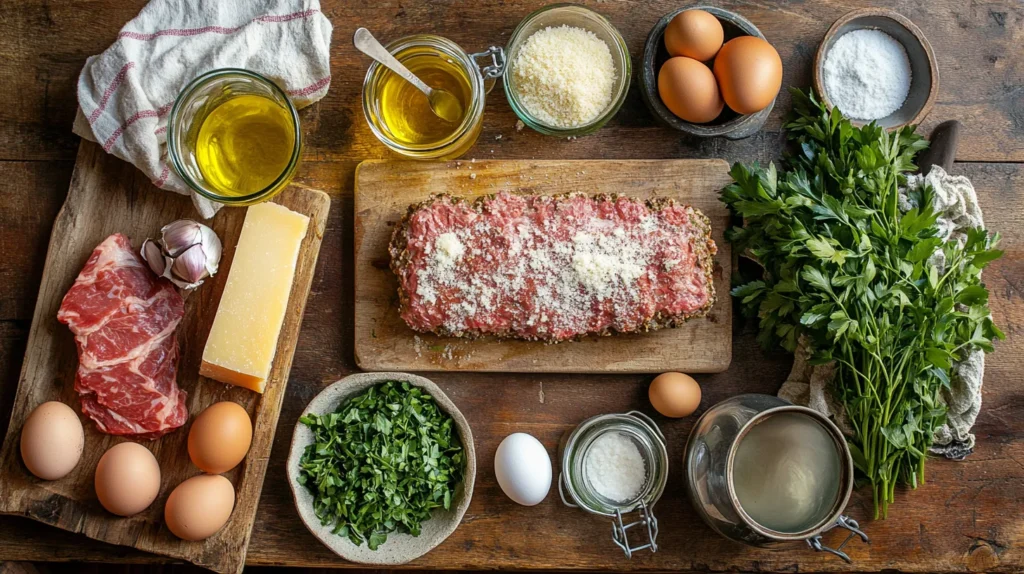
pixel 381 462
pixel 872 287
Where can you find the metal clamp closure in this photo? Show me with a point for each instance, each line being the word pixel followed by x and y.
pixel 497 66
pixel 647 520
pixel 561 492
pixel 842 522
pixel 650 422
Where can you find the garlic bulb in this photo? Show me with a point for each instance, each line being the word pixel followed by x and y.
pixel 188 252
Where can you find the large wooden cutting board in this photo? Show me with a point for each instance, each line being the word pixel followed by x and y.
pixel 385 189
pixel 108 196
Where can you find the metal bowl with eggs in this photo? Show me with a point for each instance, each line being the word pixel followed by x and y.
pixel 728 123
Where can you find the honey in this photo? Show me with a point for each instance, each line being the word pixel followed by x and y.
pixel 244 144
pixel 406 111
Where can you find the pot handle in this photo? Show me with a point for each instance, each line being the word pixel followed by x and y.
pixel 842 522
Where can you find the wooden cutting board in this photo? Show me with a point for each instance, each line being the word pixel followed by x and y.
pixel 385 189
pixel 108 196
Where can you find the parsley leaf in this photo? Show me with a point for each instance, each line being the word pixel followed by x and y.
pixel 382 462
pixel 871 287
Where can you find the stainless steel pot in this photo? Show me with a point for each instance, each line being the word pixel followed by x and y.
pixel 709 458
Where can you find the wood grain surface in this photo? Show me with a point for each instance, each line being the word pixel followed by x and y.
pixel 385 190
pixel 977 43
pixel 108 196
pixel 967 517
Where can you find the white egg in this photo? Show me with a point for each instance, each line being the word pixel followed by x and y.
pixel 523 469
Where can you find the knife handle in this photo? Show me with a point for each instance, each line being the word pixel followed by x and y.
pixel 942 152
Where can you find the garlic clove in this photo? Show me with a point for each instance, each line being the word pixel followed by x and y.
pixel 190 267
pixel 154 256
pixel 211 247
pixel 188 252
pixel 177 236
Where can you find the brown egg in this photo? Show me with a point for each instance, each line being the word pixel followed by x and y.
pixel 220 437
pixel 674 395
pixel 749 73
pixel 688 89
pixel 52 441
pixel 695 34
pixel 199 507
pixel 127 479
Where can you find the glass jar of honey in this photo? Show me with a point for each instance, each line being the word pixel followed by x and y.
pixel 233 136
pixel 400 115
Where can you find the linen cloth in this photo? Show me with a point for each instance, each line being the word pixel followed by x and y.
pixel 126 93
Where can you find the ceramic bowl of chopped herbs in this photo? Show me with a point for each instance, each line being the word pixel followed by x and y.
pixel 382 467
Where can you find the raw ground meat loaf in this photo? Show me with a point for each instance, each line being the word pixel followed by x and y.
pixel 124 317
pixel 551 268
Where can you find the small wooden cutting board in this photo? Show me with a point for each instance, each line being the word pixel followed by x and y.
pixel 385 189
pixel 106 196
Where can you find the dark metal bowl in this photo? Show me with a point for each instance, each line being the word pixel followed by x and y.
pixel 728 124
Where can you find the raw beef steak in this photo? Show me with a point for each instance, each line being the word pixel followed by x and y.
pixel 551 268
pixel 123 317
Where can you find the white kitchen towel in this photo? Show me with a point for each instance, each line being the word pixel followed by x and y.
pixel 126 93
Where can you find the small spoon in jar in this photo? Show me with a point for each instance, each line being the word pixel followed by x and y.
pixel 444 105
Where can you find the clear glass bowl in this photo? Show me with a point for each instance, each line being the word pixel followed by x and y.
pixel 192 106
pixel 579 17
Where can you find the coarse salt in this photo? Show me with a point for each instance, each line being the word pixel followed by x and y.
pixel 564 76
pixel 615 467
pixel 867 74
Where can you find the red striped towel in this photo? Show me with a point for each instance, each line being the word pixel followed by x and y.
pixel 125 93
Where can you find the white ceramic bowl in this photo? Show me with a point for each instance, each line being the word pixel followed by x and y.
pixel 400 547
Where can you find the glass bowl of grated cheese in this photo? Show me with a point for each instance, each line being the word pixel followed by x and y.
pixel 568 70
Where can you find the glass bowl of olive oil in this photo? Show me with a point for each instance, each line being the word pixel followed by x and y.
pixel 233 136
pixel 400 115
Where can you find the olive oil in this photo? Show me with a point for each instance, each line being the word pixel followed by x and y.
pixel 244 144
pixel 406 110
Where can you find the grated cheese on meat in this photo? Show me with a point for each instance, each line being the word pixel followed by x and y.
pixel 551 268
pixel 603 262
pixel 564 76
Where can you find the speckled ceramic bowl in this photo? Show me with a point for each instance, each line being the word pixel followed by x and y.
pixel 399 548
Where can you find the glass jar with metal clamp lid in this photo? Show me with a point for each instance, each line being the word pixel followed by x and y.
pixel 576 485
pixel 400 116
pixel 736 490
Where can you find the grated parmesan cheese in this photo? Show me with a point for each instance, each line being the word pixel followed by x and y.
pixel 554 267
pixel 445 253
pixel 603 263
pixel 449 249
pixel 564 76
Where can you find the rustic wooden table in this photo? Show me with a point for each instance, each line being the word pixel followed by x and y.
pixel 969 516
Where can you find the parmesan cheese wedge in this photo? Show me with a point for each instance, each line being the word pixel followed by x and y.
pixel 243 340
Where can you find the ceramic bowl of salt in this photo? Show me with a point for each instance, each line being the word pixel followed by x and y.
pixel 923 69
